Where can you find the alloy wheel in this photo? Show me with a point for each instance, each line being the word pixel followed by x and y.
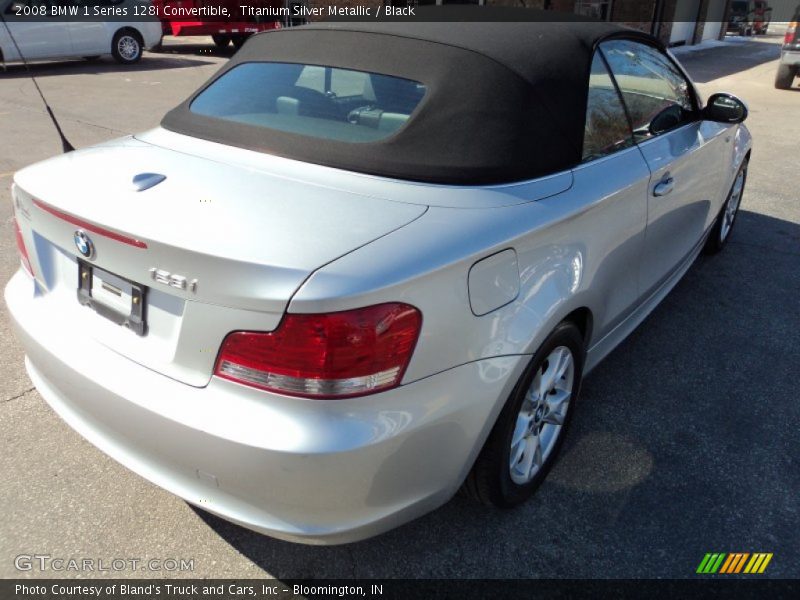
pixel 128 47
pixel 541 416
pixel 732 206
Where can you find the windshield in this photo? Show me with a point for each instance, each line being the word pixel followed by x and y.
pixel 312 100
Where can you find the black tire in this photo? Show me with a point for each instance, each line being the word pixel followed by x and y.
pixel 221 40
pixel 716 241
pixel 489 481
pixel 785 77
pixel 239 39
pixel 127 46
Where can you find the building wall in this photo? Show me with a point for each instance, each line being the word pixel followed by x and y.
pixel 715 13
pixel 343 3
pixel 562 5
pixel 700 26
pixel 518 3
pixel 639 14
pixel 626 11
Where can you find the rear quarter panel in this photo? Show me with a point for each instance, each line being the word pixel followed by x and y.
pixel 578 248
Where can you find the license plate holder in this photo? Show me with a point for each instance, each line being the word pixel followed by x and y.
pixel 119 300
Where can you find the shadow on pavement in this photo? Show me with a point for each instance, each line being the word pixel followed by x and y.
pixel 196 49
pixel 720 61
pixel 99 66
pixel 684 440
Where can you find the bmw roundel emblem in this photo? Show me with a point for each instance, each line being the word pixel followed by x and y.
pixel 83 243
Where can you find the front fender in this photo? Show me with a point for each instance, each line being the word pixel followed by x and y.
pixel 742 146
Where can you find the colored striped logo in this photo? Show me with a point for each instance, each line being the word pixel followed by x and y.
pixel 735 562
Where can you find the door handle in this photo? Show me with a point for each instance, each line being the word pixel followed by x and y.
pixel 665 187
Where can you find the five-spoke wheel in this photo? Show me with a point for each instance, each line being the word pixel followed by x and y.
pixel 541 415
pixel 525 440
pixel 723 226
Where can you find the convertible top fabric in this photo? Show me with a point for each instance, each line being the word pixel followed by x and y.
pixel 505 102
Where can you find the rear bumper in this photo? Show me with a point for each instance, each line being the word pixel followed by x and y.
pixel 790 57
pixel 302 470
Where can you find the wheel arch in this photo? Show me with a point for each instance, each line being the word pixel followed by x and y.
pixel 742 149
pixel 129 29
pixel 575 310
pixel 582 318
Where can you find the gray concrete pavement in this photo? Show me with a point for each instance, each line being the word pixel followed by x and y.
pixel 685 441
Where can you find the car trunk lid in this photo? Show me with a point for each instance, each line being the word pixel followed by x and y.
pixel 218 247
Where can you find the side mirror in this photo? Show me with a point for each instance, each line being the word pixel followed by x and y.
pixel 725 108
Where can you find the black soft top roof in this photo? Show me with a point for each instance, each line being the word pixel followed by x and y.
pixel 505 101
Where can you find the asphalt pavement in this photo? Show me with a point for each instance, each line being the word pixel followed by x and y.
pixel 685 440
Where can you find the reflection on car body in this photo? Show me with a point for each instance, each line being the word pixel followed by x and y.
pixel 405 273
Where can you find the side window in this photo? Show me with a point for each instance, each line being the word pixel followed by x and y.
pixel 607 128
pixel 656 93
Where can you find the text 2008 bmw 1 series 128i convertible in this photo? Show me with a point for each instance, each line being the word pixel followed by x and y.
pixel 368 264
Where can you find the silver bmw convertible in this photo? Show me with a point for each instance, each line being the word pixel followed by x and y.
pixel 366 265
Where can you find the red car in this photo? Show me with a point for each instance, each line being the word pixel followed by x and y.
pixel 185 17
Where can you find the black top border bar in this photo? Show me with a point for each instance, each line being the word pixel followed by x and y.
pixel 294 11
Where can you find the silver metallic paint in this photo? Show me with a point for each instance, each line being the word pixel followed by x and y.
pixel 493 282
pixel 314 239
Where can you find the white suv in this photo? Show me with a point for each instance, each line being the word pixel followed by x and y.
pixel 789 67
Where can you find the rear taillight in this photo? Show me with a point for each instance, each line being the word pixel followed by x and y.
pixel 334 355
pixel 790 33
pixel 23 252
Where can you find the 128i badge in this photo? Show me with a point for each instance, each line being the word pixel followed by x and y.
pixel 173 280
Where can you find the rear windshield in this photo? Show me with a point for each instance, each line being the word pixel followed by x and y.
pixel 312 100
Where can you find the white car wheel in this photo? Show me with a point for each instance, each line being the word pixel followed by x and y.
pixel 127 47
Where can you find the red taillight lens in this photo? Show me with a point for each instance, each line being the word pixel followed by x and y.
pixel 334 355
pixel 23 252
pixel 790 33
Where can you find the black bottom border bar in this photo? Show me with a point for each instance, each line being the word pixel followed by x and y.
pixel 391 589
